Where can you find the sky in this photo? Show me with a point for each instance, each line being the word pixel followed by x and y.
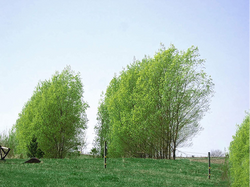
pixel 98 38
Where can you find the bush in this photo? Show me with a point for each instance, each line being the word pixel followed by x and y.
pixel 225 170
pixel 239 155
pixel 73 153
pixel 94 152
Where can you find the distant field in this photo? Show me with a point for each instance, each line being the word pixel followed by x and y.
pixel 214 160
pixel 88 171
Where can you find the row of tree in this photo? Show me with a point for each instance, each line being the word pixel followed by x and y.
pixel 55 116
pixel 150 109
pixel 154 105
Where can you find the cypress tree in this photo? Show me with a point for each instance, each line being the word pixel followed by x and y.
pixel 33 150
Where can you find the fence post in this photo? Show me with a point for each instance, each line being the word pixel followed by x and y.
pixel 1 151
pixel 105 154
pixel 209 165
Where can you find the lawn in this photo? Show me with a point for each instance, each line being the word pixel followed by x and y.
pixel 88 171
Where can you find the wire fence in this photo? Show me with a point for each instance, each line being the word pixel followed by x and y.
pixel 191 154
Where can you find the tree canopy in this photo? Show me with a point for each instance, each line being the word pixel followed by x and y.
pixel 55 115
pixel 239 155
pixel 154 105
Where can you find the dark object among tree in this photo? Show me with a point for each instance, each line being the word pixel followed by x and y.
pixel 39 153
pixel 33 160
pixel 33 150
pixel 9 140
pixel 4 153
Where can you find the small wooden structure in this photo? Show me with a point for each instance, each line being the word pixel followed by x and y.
pixel 4 152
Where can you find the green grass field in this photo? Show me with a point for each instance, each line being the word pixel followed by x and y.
pixel 88 171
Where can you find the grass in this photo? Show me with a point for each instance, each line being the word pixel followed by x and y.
pixel 88 171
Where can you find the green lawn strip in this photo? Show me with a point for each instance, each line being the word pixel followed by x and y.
pixel 119 172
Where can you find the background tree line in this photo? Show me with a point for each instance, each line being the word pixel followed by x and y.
pixel 151 108
pixel 154 105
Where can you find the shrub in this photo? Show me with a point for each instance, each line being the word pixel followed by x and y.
pixel 94 152
pixel 239 155
pixel 225 170
pixel 73 153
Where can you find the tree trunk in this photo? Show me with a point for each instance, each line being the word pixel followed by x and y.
pixel 174 150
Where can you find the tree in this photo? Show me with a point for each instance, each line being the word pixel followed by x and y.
pixel 191 90
pixel 55 114
pixel 239 155
pixel 217 153
pixel 114 110
pixel 33 150
pixel 102 127
pixel 155 106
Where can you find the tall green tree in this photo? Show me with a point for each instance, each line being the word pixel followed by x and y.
pixel 187 91
pixel 55 114
pixel 155 106
pixel 102 127
pixel 239 155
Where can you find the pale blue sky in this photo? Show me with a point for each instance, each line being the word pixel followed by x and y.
pixel 98 38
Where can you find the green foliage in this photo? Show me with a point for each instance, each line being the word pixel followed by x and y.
pixel 88 171
pixel 73 153
pixel 154 106
pixel 39 153
pixel 55 114
pixel 225 170
pixel 33 150
pixel 102 128
pixel 32 147
pixel 94 152
pixel 239 155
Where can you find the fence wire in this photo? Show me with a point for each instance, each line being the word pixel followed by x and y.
pixel 187 153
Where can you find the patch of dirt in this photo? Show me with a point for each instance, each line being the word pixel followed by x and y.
pixel 213 160
pixel 33 160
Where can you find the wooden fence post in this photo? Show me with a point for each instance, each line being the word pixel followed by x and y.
pixel 105 154
pixel 209 174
